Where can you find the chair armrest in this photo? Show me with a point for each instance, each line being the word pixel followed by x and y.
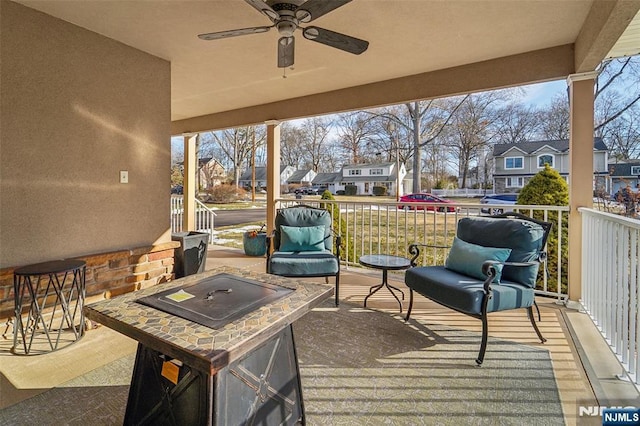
pixel 268 241
pixel 338 245
pixel 414 251
pixel 489 269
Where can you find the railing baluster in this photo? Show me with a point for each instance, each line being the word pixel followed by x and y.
pixel 610 285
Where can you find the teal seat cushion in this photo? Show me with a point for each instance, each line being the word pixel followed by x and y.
pixel 303 263
pixel 464 293
pixel 302 238
pixel 525 239
pixel 467 259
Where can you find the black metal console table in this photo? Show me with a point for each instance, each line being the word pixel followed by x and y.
pixel 53 295
pixel 386 263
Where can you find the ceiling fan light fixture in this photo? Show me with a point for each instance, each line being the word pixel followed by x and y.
pixel 286 28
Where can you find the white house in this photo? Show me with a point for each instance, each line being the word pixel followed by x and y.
pixel 365 176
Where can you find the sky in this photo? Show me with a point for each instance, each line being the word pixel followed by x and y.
pixel 541 94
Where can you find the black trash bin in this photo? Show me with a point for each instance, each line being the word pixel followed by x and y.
pixel 191 256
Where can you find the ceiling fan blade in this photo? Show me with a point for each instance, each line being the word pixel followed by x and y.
pixel 313 9
pixel 264 8
pixel 233 33
pixel 337 40
pixel 285 51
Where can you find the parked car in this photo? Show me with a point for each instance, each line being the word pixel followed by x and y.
pixel 305 190
pixel 423 197
pixel 505 199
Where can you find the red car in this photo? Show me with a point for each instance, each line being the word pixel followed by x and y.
pixel 424 198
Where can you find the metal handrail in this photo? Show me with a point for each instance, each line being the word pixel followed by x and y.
pixel 370 227
pixel 204 216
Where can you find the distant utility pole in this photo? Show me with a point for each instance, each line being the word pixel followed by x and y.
pixel 253 165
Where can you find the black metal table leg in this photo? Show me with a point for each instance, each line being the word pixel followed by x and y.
pixel 385 283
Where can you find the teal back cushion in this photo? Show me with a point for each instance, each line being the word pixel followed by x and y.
pixel 303 216
pixel 302 238
pixel 466 258
pixel 523 237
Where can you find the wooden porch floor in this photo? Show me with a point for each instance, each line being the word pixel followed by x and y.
pixel 583 366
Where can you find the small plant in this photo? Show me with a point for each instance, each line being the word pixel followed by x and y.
pixel 379 190
pixel 547 187
pixel 254 233
pixel 350 190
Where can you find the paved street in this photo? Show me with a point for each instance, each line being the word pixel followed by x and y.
pixel 239 216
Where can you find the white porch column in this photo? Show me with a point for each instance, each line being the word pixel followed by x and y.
pixel 189 187
pixel 273 171
pixel 581 121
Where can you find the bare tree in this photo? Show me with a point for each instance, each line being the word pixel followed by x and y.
pixel 290 137
pixel 473 128
pixel 620 79
pixel 516 123
pixel 236 145
pixel 354 133
pixel 623 136
pixel 414 125
pixel 554 119
pixel 313 144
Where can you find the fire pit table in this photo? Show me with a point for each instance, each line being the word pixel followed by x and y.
pixel 214 348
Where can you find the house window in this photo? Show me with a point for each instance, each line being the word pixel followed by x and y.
pixel 377 172
pixel 514 163
pixel 355 172
pixel 545 159
pixel 635 170
pixel 515 182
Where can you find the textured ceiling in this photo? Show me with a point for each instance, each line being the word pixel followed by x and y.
pixel 406 37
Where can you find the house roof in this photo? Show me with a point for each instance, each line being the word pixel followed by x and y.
pixel 326 178
pixel 298 175
pixel 443 48
pixel 368 165
pixel 207 160
pixel 531 147
pixel 623 169
pixel 261 173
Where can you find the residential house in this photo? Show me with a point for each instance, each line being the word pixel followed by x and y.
pixel 366 176
pixel 261 177
pixel 210 173
pixel 516 163
pixel 302 177
pixel 327 180
pixel 623 174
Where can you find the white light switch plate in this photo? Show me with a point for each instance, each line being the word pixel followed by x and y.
pixel 124 176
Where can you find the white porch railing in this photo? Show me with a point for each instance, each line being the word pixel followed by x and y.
pixel 610 288
pixel 381 227
pixel 204 216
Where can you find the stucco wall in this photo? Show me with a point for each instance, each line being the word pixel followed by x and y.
pixel 75 109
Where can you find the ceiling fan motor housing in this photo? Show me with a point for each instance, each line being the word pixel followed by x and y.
pixel 286 16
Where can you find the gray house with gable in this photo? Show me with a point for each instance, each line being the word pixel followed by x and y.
pixel 516 163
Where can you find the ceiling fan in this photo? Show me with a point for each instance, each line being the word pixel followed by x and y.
pixel 286 16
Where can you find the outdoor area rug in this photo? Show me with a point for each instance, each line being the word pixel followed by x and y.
pixel 358 367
